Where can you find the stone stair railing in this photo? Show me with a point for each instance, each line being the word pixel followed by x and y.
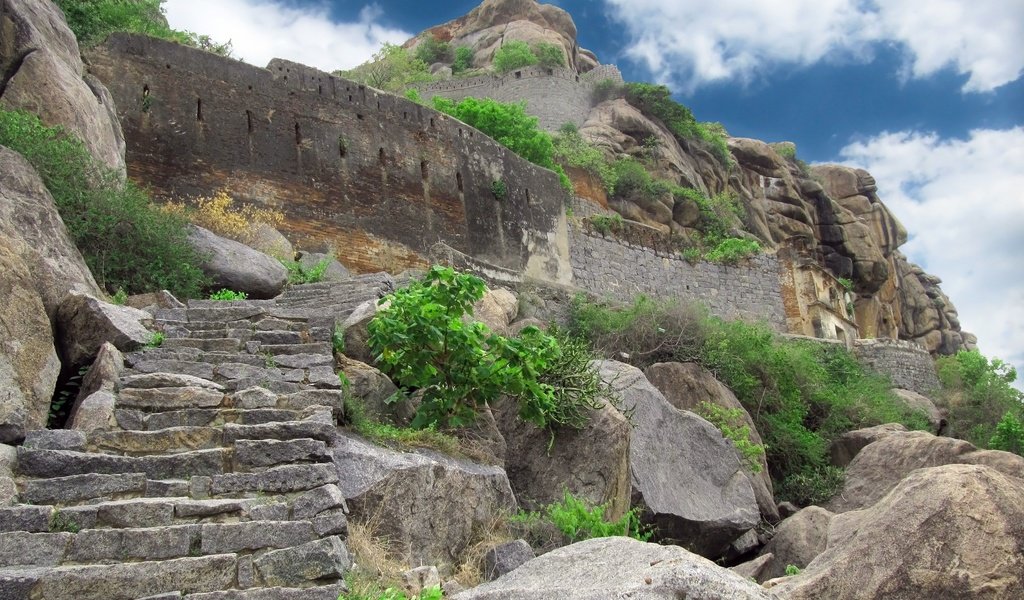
pixel 216 484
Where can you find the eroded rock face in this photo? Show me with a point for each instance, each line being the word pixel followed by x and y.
pixel 618 567
pixel 883 464
pixel 429 505
pixel 86 323
pixel 953 531
pixel 235 266
pixel 46 77
pixel 682 469
pixel 797 541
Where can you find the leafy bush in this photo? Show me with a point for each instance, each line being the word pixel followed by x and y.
pixel 732 250
pixel 463 60
pixel 792 570
pixel 606 224
pixel 570 148
pixel 218 214
pixel 578 520
pixel 1009 435
pixel 549 55
pixel 812 486
pixel 422 341
pixel 499 190
pixel 126 241
pixel 299 275
pixel 156 339
pixel 731 423
pixel 509 125
pixel 513 55
pixel 93 20
pixel 392 69
pixel 227 295
pixel 401 438
pixel 656 101
pixel 606 89
pixel 432 50
pixel 787 151
pixel 979 394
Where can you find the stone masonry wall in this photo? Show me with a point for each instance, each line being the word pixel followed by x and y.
pixel 907 364
pixel 375 176
pixel 555 95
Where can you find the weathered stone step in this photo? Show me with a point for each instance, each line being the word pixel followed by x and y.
pixel 136 420
pixel 285 430
pixel 50 464
pixel 256 455
pixel 123 581
pixel 78 488
pixel 193 355
pixel 165 441
pixel 228 304
pixel 155 380
pixel 164 399
pixel 219 344
pixel 22 549
pixel 313 348
pixel 332 591
pixel 24 517
pixel 280 480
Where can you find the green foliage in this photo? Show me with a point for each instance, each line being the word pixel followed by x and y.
pixel 846 283
pixel 656 101
pixel 812 486
pixel 298 274
pixel 63 399
pixel 792 570
pixel 227 295
pixel 93 20
pixel 126 241
pixel 62 522
pixel 338 339
pixel 1009 435
pixel 733 427
pixel 392 69
pixel 787 151
pixel 414 95
pixel 570 148
pixel 432 50
pixel 423 342
pixel 513 55
pixel 978 393
pixel 463 60
pixel 578 520
pixel 499 190
pixel 549 55
pixel 606 224
pixel 393 593
pixel 732 250
pixel 120 297
pixel 509 125
pixel 400 438
pixel 606 89
pixel 156 339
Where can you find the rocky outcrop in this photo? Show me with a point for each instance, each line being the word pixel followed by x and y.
pixel 944 532
pixel 924 405
pixel 430 506
pixel 235 266
pixel 44 74
pixel 86 323
pixel 618 567
pixel 797 541
pixel 683 472
pixel 845 447
pixel 883 464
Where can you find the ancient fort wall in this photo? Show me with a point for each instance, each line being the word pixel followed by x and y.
pixel 907 364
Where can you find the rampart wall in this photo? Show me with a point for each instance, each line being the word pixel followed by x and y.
pixel 554 95
pixel 377 177
pixel 907 364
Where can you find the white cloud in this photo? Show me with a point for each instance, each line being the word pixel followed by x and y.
pixel 260 30
pixel 693 42
pixel 963 202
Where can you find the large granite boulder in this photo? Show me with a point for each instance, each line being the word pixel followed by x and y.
pixel 924 405
pixel 30 222
pixel 86 323
pixel 45 76
pixel 953 531
pixel 496 310
pixel 235 266
pixel 797 541
pixel 592 463
pixel 686 386
pixel 882 465
pixel 618 567
pixel 685 474
pixel 845 447
pixel 29 365
pixel 430 506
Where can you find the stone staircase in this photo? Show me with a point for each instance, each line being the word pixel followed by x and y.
pixel 218 481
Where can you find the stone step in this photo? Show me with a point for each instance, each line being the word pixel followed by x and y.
pixel 225 304
pixel 257 455
pixel 314 348
pixel 166 380
pixel 174 398
pixel 24 517
pixel 220 344
pixel 48 465
pixel 192 355
pixel 80 488
pixel 227 312
pixel 332 591
pixel 136 420
pixel 280 480
pixel 285 430
pixel 165 441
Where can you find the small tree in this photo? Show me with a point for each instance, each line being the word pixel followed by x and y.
pixel 392 68
pixel 432 50
pixel 513 55
pixel 463 60
pixel 549 55
pixel 1009 435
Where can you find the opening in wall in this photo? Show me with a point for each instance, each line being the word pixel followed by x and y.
pixel 424 169
pixel 298 135
pixel 199 109
pixel 458 180
pixel 248 120
pixel 380 155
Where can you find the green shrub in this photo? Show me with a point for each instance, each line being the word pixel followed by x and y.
pixel 509 125
pixel 414 95
pixel 127 242
pixel 338 339
pixel 812 486
pixel 1009 435
pixel 787 151
pixel 93 20
pixel 513 55
pixel 606 89
pixel 578 520
pixel 227 295
pixel 978 393
pixel 499 190
pixel 732 250
pixel 432 50
pixel 570 148
pixel 792 570
pixel 299 275
pixel 400 438
pixel 422 341
pixel 463 60
pixel 606 224
pixel 156 339
pixel 120 297
pixel 392 68
pixel 549 55
pixel 731 423
pixel 656 101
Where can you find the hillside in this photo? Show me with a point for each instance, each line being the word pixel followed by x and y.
pixel 277 333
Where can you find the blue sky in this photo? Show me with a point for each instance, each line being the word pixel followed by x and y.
pixel 929 97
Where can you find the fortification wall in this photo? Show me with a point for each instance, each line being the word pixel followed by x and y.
pixel 554 95
pixel 629 263
pixel 907 364
pixel 377 177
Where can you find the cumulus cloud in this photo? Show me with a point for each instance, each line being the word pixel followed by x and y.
pixel 692 42
pixel 260 30
pixel 963 202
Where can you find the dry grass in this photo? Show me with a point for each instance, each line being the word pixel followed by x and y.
pixel 469 571
pixel 376 567
pixel 218 214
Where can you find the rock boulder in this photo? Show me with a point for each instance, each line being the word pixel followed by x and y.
pixel 235 266
pixel 86 323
